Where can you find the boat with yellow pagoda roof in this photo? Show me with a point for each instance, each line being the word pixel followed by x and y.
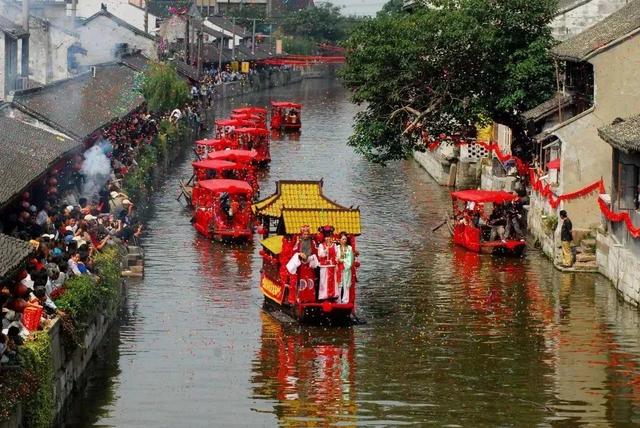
pixel 309 252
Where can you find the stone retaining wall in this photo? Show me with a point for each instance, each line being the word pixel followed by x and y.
pixel 620 265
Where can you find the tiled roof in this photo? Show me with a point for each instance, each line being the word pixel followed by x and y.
pixel 185 69
pixel 81 105
pixel 11 28
pixel 560 100
pixel 13 253
pixel 136 61
pixel 615 26
pixel 294 194
pixel 623 134
pixel 343 220
pixel 228 25
pixel 119 21
pixel 25 153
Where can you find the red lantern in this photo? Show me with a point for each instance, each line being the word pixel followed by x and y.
pixel 53 173
pixel 326 307
pixel 52 190
pixel 53 181
pixel 26 196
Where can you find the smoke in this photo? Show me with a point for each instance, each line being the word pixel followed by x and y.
pixel 96 169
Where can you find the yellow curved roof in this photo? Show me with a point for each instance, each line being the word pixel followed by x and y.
pixel 342 219
pixel 294 194
pixel 273 244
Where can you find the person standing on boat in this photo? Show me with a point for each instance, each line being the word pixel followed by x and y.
pixel 303 264
pixel 566 237
pixel 344 257
pixel 327 260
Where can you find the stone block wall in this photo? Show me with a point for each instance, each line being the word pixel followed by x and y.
pixel 620 266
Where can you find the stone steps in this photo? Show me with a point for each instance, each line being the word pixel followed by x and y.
pixel 135 263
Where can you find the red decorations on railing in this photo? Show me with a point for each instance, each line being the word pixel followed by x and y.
pixel 619 217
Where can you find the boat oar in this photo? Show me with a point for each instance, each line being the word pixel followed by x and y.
pixel 440 225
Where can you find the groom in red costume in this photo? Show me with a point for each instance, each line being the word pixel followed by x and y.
pixel 303 262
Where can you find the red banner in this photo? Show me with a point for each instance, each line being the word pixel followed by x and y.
pixel 618 217
pixel 544 189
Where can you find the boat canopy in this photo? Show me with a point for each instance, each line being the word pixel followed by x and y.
pixel 234 155
pixel 252 131
pixel 226 185
pixel 273 244
pixel 215 164
pixel 484 196
pixel 249 110
pixel 285 104
pixel 232 122
pixel 294 194
pixel 342 219
pixel 212 142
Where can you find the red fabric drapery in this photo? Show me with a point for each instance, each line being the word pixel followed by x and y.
pixel 544 189
pixel 618 217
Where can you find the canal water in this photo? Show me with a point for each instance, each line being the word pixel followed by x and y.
pixel 451 338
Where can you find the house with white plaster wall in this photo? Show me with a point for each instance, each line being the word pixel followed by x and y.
pixel 598 83
pixel 575 16
pixel 105 37
pixel 131 11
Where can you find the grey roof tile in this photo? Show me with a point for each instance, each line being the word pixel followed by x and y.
pixel 623 134
pixel 13 253
pixel 616 25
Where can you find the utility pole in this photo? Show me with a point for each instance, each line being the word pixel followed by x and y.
pixel 200 37
pixel 146 16
pixel 253 38
pixel 220 53
pixel 233 38
pixel 186 41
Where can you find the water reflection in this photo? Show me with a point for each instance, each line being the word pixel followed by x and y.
pixel 452 337
pixel 309 373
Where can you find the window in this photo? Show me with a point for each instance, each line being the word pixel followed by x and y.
pixel 628 187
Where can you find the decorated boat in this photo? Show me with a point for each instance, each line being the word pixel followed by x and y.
pixel 286 116
pixel 209 169
pixel 239 156
pixel 203 147
pixel 259 111
pixel 222 209
pixel 254 139
pixel 471 225
pixel 255 120
pixel 223 128
pixel 304 274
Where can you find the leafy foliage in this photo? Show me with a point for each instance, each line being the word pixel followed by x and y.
pixel 320 23
pixel 36 358
pixel 163 89
pixel 444 69
pixel 16 384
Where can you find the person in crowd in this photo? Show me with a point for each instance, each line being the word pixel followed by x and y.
pixel 344 258
pixel 566 236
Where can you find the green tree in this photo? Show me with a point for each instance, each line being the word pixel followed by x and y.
pixel 445 69
pixel 163 89
pixel 321 23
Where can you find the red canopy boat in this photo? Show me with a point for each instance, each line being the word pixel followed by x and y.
pixel 224 127
pixel 286 116
pixel 295 212
pixel 260 111
pixel 254 139
pixel 471 226
pixel 203 147
pixel 235 155
pixel 253 119
pixel 222 209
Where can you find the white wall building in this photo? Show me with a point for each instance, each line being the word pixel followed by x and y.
pixel 104 35
pixel 131 11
